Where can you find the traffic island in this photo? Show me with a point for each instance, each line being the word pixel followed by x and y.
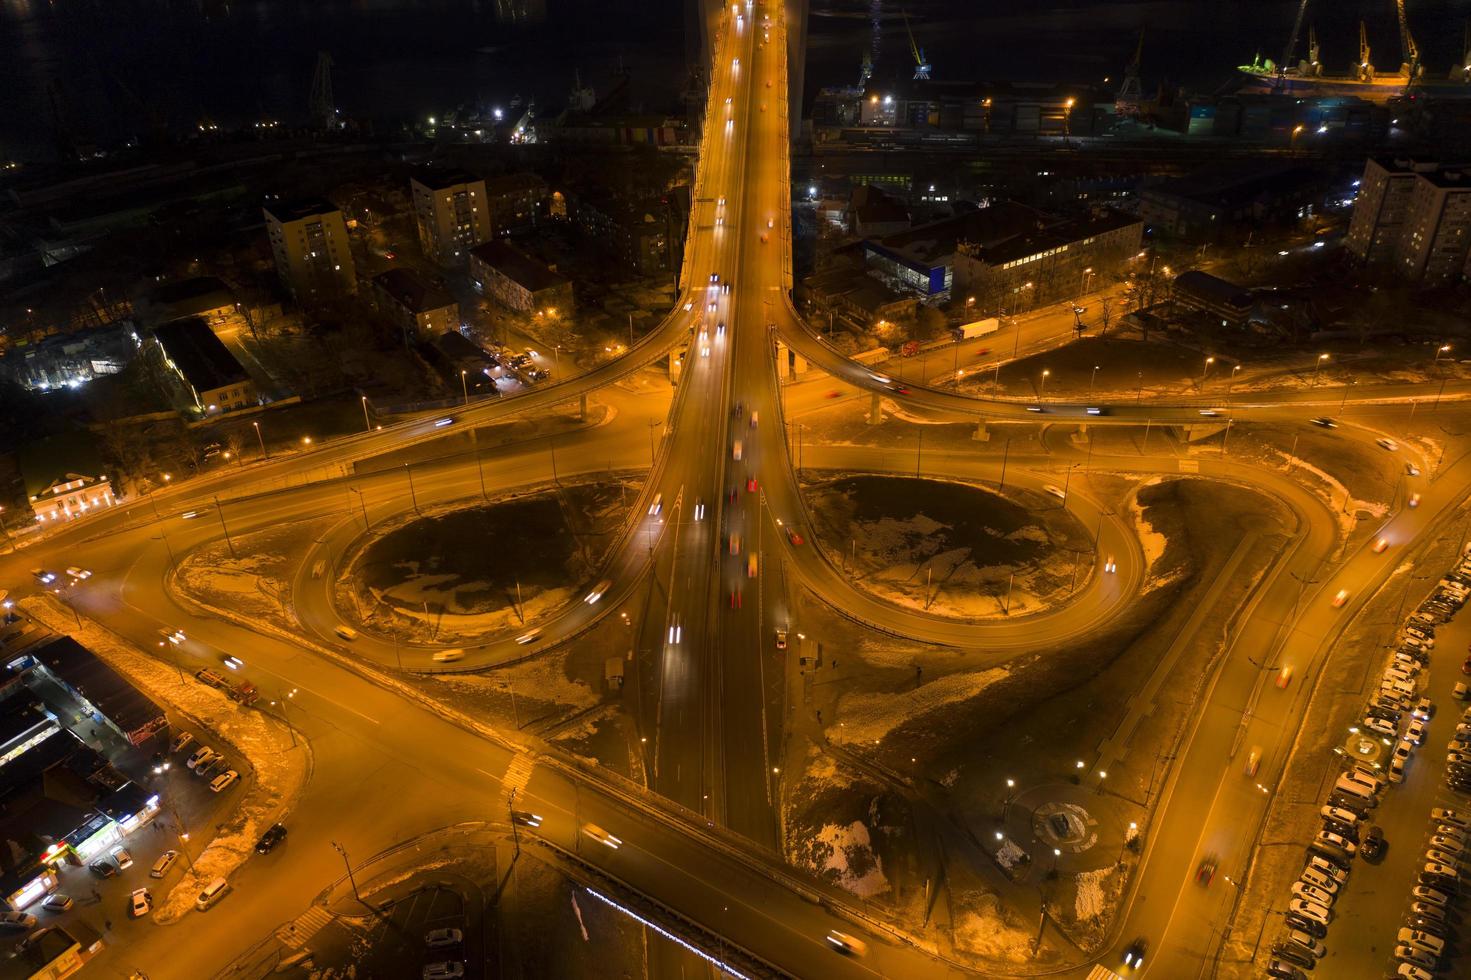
pixel 249 573
pixel 949 548
pixel 458 572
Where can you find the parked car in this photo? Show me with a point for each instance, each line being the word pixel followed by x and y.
pixel 103 868
pixel 442 938
pixel 57 902
pixel 163 864
pixel 1373 844
pixel 140 903
pixel 17 921
pixel 223 781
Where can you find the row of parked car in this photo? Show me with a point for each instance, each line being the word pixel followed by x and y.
pixel 1400 718
pixel 206 762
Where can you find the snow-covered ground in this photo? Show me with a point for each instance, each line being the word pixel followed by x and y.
pixel 258 581
pixel 866 718
pixel 845 854
pixel 279 771
pixel 1151 541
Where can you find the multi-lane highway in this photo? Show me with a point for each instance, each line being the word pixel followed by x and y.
pixel 721 532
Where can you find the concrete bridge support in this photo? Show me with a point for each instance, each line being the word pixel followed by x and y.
pixel 875 409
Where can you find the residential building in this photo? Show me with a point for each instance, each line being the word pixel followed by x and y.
pixel 451 213
pixel 309 241
pixel 1202 291
pixel 1224 198
pixel 65 478
pixel 201 369
pixel 1059 261
pixel 1379 209
pixel 420 309
pixel 849 292
pixel 637 234
pixel 517 281
pixel 516 202
pixel 1432 248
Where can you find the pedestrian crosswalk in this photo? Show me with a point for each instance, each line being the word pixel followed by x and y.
pixel 298 933
pixel 518 774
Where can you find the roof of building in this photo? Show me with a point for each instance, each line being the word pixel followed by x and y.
pixel 932 243
pixel 1212 289
pixel 438 179
pixel 204 360
pixel 412 291
pixel 1451 180
pixel 518 267
pixel 512 183
pixel 189 297
pixel 123 704
pixel 1233 182
pixel 59 459
pixel 44 946
pixel 285 211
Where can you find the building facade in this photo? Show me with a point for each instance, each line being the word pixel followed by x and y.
pixel 70 497
pixel 1414 217
pixel 1379 208
pixel 310 245
pixel 517 281
pixel 451 213
pixel 421 310
pixel 1059 262
pixel 637 235
pixel 516 202
pixel 195 362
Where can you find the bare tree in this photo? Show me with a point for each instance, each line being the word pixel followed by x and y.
pixel 1105 307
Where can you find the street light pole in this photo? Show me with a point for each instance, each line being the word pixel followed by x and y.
pixel 259 438
pixel 367 424
pixel 464 390
pixel 350 877
pixel 219 509
pixel 412 496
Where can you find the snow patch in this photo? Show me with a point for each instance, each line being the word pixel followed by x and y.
pixel 846 854
pixel 1089 901
pixel 871 716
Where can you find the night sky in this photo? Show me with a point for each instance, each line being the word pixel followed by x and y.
pixel 404 58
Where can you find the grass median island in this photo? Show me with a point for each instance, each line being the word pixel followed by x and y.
pixel 951 548
pixel 464 572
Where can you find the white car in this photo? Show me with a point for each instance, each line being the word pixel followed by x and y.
pixel 1412 972
pixel 223 781
pixel 1417 957
pixel 1386 443
pixel 1424 893
pixel 1326 867
pixel 140 904
pixel 1311 911
pixel 1312 893
pixel 601 836
pixel 1416 732
pixel 1329 839
pixel 1346 817
pixel 79 573
pixel 1319 880
pixel 1433 945
pixel 1442 869
pixel 1448 844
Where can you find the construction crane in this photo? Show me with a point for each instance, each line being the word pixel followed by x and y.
pixel 921 66
pixel 1302 8
pixel 1412 67
pixel 322 110
pixel 1365 70
pixel 1131 93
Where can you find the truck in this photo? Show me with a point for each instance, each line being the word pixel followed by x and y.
pixel 978 328
pixel 241 691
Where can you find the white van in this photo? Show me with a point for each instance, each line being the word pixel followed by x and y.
pixel 1353 787
pixel 213 892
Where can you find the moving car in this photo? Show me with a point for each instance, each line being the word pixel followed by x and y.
pixel 781 639
pixel 601 836
pixel 844 943
pixel 1134 953
pixel 1386 443
pixel 597 591
pixel 1340 599
pixel 525 818
pixel 448 656
pixel 79 573
pixel 530 637
pixel 268 841
pixel 1206 872
pixel 171 636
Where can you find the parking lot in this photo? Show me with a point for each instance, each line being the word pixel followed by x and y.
pixel 428 925
pixel 1386 873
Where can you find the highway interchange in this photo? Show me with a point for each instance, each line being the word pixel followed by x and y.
pixel 703 837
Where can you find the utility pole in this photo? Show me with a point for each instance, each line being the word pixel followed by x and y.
pixel 221 511
pixel 511 803
pixel 408 470
pixel 1005 453
pixel 350 877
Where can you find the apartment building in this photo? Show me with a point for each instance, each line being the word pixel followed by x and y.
pixel 451 212
pixel 1413 216
pixel 420 309
pixel 309 241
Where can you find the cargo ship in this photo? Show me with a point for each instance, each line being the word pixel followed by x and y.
pixel 1308 79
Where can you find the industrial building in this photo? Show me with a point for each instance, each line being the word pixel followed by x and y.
pixel 196 364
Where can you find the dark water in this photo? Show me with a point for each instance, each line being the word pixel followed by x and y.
pixel 118 63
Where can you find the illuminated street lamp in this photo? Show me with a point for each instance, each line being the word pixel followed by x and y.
pixel 261 440
pixel 1043 386
pixel 1206 370
pixel 1442 349
pixel 367 425
pixel 1316 368
pixel 1093 377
